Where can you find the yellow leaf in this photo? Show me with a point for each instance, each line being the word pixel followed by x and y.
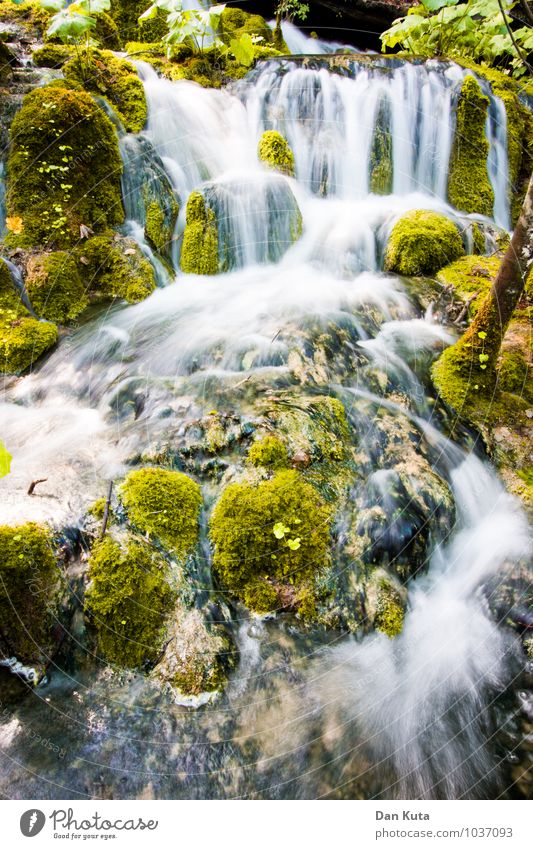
pixel 14 224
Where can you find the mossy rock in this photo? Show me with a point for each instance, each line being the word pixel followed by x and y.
pixel 514 372
pixel 381 166
pixel 469 186
pixel 30 588
pixel 29 15
pixel 275 152
pixel 102 73
pixel 106 32
pixel 235 22
pixel 269 453
pixel 126 15
pixel 199 251
pixel 166 505
pixel 277 529
pixel 421 243
pixel 198 654
pixel 115 267
pixel 51 55
pixel 160 223
pixel 6 60
pixel 64 168
pixel 387 604
pixel 23 339
pixel 129 599
pixel 55 287
pixel 469 275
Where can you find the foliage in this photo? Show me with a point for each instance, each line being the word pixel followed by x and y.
pixel 292 10
pixel 422 242
pixel 475 29
pixel 194 26
pixel 276 529
pixel 165 504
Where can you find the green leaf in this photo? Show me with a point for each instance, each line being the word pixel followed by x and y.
pixel 435 5
pixel 243 50
pixel 5 460
pixel 482 334
pixel 294 544
pixel 280 530
pixel 51 5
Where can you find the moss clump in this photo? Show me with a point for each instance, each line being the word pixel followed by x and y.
pixel 126 15
pixel 64 168
pixel 514 373
pixel 269 452
pixel 114 267
pixel 165 504
pixel 390 611
pixel 160 223
pixel 199 251
pixel 261 597
pixel 234 23
pixel 54 287
pixel 102 73
pixel 469 275
pixel 274 150
pixel 130 599
pixel 381 161
pixel 29 587
pixel 469 187
pixel 51 55
pixel 422 242
pixel 106 32
pixel 277 529
pixel 6 58
pixel 9 294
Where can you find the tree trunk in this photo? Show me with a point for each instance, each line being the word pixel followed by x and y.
pixel 278 34
pixel 495 312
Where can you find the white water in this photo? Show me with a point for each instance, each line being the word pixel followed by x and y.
pixel 421 701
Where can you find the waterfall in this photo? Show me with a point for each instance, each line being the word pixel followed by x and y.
pixel 371 140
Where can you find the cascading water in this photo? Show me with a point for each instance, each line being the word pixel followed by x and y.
pixel 305 714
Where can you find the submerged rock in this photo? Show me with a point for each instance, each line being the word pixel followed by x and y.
pixel 275 152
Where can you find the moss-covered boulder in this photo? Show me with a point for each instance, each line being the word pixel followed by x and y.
pixel 54 286
pixel 129 599
pixel 271 539
pixel 274 151
pixel 23 339
pixel 64 168
pixel 51 55
pixel 268 453
pixel 166 505
pixel 235 23
pixel 115 267
pixel 30 587
pixel 469 186
pixel 470 276
pixel 199 251
pixel 126 15
pixel 102 73
pixel 422 242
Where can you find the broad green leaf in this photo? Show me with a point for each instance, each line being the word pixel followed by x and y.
pixel 280 529
pixel 243 50
pixel 94 7
pixel 5 460
pixel 294 544
pixel 70 25
pixel 436 5
pixel 51 5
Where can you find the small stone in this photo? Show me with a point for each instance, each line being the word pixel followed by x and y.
pixel 529 414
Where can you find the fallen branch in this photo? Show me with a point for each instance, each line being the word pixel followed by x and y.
pixel 464 311
pixel 33 484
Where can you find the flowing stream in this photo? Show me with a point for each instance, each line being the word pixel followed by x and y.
pixel 306 714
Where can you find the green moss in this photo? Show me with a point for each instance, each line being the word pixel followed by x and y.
pixel 106 32
pixel 30 15
pixel 261 597
pixel 6 58
pixel 199 252
pixel 102 73
pixel 51 55
pixel 381 161
pixel 97 509
pixel 469 275
pixel 469 187
pixel 9 295
pixel 422 242
pixel 274 150
pixel 514 373
pixel 390 611
pixel 126 15
pixel 269 452
pixel 130 599
pixel 165 504
pixel 235 22
pixel 22 341
pixel 29 587
pixel 54 287
pixel 276 529
pixel 114 267
pixel 160 224
pixel 64 168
